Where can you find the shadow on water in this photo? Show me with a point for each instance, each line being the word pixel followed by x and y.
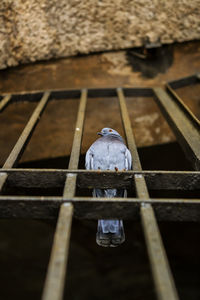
pixel 150 61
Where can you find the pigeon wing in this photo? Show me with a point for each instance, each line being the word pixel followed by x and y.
pixel 128 160
pixel 89 160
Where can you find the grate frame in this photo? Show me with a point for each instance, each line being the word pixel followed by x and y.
pixel 149 210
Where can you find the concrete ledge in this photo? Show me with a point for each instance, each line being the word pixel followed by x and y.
pixel 39 30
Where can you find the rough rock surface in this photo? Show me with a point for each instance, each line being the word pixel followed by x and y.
pixel 33 30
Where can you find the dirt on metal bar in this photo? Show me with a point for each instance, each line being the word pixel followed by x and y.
pixel 187 134
pixel 55 280
pixel 4 102
pixel 163 278
pixel 24 138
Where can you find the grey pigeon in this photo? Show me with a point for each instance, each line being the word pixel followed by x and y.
pixel 109 153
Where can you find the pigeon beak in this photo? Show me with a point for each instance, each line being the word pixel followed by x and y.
pixel 99 133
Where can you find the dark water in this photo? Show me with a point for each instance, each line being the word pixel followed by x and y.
pixel 95 272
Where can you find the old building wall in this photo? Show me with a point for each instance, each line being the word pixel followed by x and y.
pixel 32 30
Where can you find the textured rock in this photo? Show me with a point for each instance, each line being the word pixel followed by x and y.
pixel 33 30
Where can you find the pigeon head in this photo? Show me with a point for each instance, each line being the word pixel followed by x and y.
pixel 109 131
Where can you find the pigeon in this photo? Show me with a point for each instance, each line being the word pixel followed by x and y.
pixel 109 152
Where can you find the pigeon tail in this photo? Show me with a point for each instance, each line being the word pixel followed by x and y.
pixel 110 233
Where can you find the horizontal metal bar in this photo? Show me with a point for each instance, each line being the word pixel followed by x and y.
pixel 75 94
pixel 83 171
pixel 4 102
pixel 59 199
pixel 183 81
pixel 54 284
pixel 156 180
pixel 55 278
pixel 28 96
pixel 187 134
pixel 24 138
pixel 179 210
pixel 104 172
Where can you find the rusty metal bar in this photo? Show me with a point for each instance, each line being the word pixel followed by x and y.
pixel 163 279
pixel 75 94
pixel 84 171
pixel 55 279
pixel 70 184
pixel 165 286
pixel 156 180
pixel 128 131
pixel 4 102
pixel 38 207
pixel 187 134
pixel 183 106
pixel 24 138
pixel 185 81
pixel 54 284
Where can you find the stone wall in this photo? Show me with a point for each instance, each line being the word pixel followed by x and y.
pixel 32 30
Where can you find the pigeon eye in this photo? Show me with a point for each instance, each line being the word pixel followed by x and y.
pixel 110 130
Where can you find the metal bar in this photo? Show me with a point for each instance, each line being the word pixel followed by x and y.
pixel 70 184
pixel 187 134
pixel 83 171
pixel 156 180
pixel 160 268
pixel 128 131
pixel 75 94
pixel 163 279
pixel 198 76
pixel 189 80
pixel 59 199
pixel 54 284
pixel 24 138
pixel 179 210
pixel 183 106
pixel 55 279
pixel 4 102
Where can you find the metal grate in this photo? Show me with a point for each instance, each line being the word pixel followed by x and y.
pixel 186 128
